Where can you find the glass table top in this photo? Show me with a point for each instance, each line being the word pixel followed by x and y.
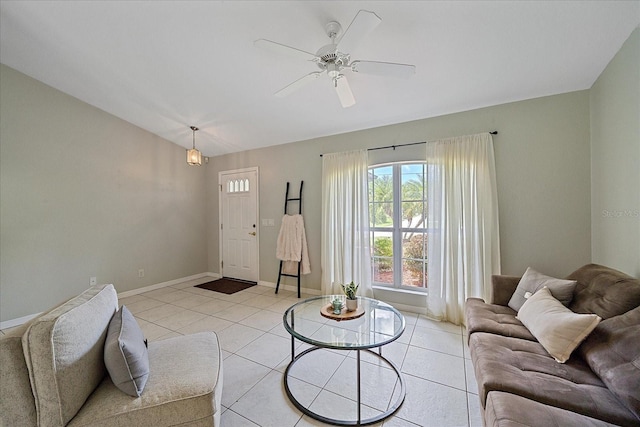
pixel 380 324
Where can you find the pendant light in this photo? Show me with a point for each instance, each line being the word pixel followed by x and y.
pixel 194 157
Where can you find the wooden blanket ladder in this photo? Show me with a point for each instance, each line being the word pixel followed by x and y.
pixel 287 199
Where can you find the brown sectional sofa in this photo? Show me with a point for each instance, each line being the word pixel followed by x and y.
pixel 520 384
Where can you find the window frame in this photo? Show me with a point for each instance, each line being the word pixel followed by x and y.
pixel 397 230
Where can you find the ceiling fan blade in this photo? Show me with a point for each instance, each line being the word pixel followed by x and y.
pixel 287 90
pixel 362 24
pixel 383 68
pixel 344 91
pixel 285 50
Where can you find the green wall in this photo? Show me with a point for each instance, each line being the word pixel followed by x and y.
pixel 615 161
pixel 82 194
pixel 542 162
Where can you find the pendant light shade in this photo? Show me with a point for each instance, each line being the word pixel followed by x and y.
pixel 194 157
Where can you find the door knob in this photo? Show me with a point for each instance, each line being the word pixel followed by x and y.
pixel 253 233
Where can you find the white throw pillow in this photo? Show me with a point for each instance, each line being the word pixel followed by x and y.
pixel 557 328
pixel 533 281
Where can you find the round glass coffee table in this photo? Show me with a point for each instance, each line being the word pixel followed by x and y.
pixel 380 325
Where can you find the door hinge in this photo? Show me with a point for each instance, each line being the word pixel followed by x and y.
pixel 220 226
pixel 221 264
pixel 221 188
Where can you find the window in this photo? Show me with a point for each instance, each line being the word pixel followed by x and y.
pixel 238 185
pixel 398 212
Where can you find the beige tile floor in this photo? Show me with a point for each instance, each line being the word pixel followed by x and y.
pixel 434 359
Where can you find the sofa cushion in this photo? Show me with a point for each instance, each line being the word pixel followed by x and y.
pixel 525 368
pixel 502 288
pixel 494 318
pixel 613 352
pixel 64 353
pixel 604 291
pixel 17 405
pixel 557 328
pixel 511 410
pixel 184 388
pixel 125 353
pixel 532 281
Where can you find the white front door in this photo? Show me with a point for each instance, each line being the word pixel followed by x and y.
pixel 238 226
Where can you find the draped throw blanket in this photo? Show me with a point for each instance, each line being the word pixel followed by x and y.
pixel 464 245
pixel 292 245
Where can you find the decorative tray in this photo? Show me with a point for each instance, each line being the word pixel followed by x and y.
pixel 327 311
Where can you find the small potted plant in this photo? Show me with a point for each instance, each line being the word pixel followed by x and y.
pixel 350 291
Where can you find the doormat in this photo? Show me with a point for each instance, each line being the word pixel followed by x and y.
pixel 226 285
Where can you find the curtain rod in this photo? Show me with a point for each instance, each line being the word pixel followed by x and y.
pixel 493 132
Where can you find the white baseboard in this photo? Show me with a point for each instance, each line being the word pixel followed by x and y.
pixel 309 291
pixel 11 323
pixel 408 308
pixel 206 277
pixel 292 288
pixel 132 292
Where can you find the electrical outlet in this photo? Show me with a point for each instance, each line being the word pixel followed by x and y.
pixel 141 272
pixel 93 281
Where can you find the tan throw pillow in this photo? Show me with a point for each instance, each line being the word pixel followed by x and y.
pixel 532 281
pixel 557 328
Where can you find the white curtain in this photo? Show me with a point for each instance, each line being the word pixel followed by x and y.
pixel 345 250
pixel 463 240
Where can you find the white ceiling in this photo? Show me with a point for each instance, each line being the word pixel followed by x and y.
pixel 167 65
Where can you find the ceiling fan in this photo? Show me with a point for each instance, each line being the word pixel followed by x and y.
pixel 334 58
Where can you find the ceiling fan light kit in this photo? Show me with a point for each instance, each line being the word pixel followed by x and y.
pixel 333 60
pixel 333 29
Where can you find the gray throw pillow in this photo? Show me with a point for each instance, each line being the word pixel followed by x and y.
pixel 125 353
pixel 532 281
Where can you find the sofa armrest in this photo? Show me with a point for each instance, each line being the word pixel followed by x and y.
pixel 17 404
pixel 502 287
